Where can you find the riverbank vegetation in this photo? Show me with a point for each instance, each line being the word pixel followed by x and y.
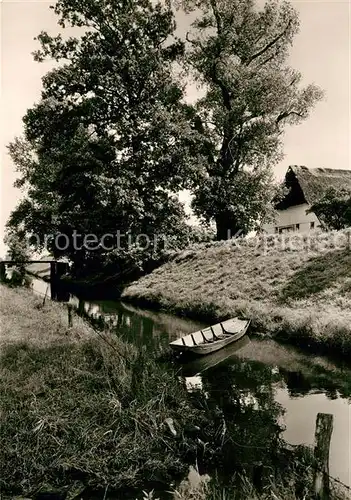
pixel 84 414
pixel 295 288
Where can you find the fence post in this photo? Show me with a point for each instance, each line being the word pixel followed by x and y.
pixel 2 272
pixel 70 316
pixel 47 288
pixel 53 280
pixel 257 477
pixel 324 429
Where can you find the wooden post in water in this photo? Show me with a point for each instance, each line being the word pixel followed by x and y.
pixel 324 429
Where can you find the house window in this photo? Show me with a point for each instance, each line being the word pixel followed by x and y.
pixel 286 229
pixel 312 225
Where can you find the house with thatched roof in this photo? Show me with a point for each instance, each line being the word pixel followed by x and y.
pixel 306 186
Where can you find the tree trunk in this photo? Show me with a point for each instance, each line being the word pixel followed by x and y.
pixel 227 226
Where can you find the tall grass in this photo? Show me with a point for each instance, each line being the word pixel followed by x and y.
pixel 202 487
pixel 72 408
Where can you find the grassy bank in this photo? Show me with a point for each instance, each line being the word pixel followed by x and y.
pixel 78 412
pixel 83 418
pixel 297 289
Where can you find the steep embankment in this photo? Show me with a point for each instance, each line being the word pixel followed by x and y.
pixel 297 288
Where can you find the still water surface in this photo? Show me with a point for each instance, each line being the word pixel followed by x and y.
pixel 291 387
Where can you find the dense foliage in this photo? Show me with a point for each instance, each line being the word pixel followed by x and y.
pixel 102 150
pixel 19 253
pixel 113 139
pixel 333 209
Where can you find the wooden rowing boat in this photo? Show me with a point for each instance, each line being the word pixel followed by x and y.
pixel 213 338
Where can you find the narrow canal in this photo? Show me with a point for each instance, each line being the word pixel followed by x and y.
pixel 288 386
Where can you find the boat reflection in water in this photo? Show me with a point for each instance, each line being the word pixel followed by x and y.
pixel 194 366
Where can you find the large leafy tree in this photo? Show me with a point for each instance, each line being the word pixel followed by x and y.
pixel 104 148
pixel 238 54
pixel 333 209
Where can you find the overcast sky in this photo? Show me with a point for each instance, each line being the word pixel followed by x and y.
pixel 321 52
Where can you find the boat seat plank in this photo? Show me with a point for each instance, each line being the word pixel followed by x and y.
pixel 204 337
pixel 215 336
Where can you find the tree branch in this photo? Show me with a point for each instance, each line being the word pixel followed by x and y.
pixel 286 114
pixel 193 42
pixel 269 45
pixel 293 81
pixel 270 58
pixel 217 16
pixel 225 92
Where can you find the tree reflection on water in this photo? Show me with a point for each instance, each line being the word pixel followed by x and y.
pixel 247 426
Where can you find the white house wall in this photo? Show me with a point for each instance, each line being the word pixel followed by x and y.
pixel 292 216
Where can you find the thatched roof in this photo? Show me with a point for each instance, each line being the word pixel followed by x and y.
pixel 315 181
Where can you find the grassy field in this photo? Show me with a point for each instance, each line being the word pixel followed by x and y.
pixel 297 289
